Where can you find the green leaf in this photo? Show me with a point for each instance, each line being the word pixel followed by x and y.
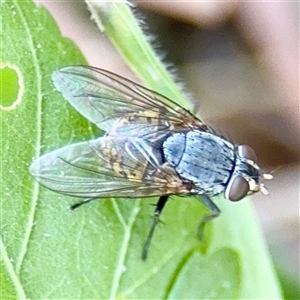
pixel 237 227
pixel 94 252
pixel 46 250
pixel 223 270
pixel 31 45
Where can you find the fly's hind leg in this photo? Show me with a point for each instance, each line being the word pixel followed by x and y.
pixel 158 209
pixel 214 212
pixel 78 204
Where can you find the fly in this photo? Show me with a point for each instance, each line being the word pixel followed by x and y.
pixel 152 147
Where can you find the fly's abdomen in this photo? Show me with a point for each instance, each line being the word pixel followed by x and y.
pixel 202 158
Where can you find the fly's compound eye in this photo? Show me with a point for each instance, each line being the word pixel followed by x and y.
pixel 237 188
pixel 247 152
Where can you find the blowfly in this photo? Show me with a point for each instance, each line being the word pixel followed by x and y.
pixel 152 148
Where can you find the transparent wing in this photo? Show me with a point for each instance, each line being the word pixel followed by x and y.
pixel 104 98
pixel 107 167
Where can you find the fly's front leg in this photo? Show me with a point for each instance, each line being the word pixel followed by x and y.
pixel 158 209
pixel 214 212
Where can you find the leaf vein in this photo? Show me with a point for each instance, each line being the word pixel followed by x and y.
pixel 30 222
pixel 123 251
pixel 118 213
pixel 10 269
pixel 157 268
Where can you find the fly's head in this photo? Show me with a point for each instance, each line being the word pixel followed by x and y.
pixel 247 176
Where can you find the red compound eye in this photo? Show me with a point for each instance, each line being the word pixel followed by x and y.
pixel 247 152
pixel 237 188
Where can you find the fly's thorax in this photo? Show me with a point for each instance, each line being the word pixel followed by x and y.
pixel 203 158
pixel 247 175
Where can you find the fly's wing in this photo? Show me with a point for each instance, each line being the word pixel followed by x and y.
pixel 107 167
pixel 119 106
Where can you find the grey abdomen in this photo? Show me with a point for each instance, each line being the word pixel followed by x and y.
pixel 202 158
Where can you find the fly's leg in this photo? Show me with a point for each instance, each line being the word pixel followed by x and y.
pixel 158 209
pixel 214 212
pixel 76 205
